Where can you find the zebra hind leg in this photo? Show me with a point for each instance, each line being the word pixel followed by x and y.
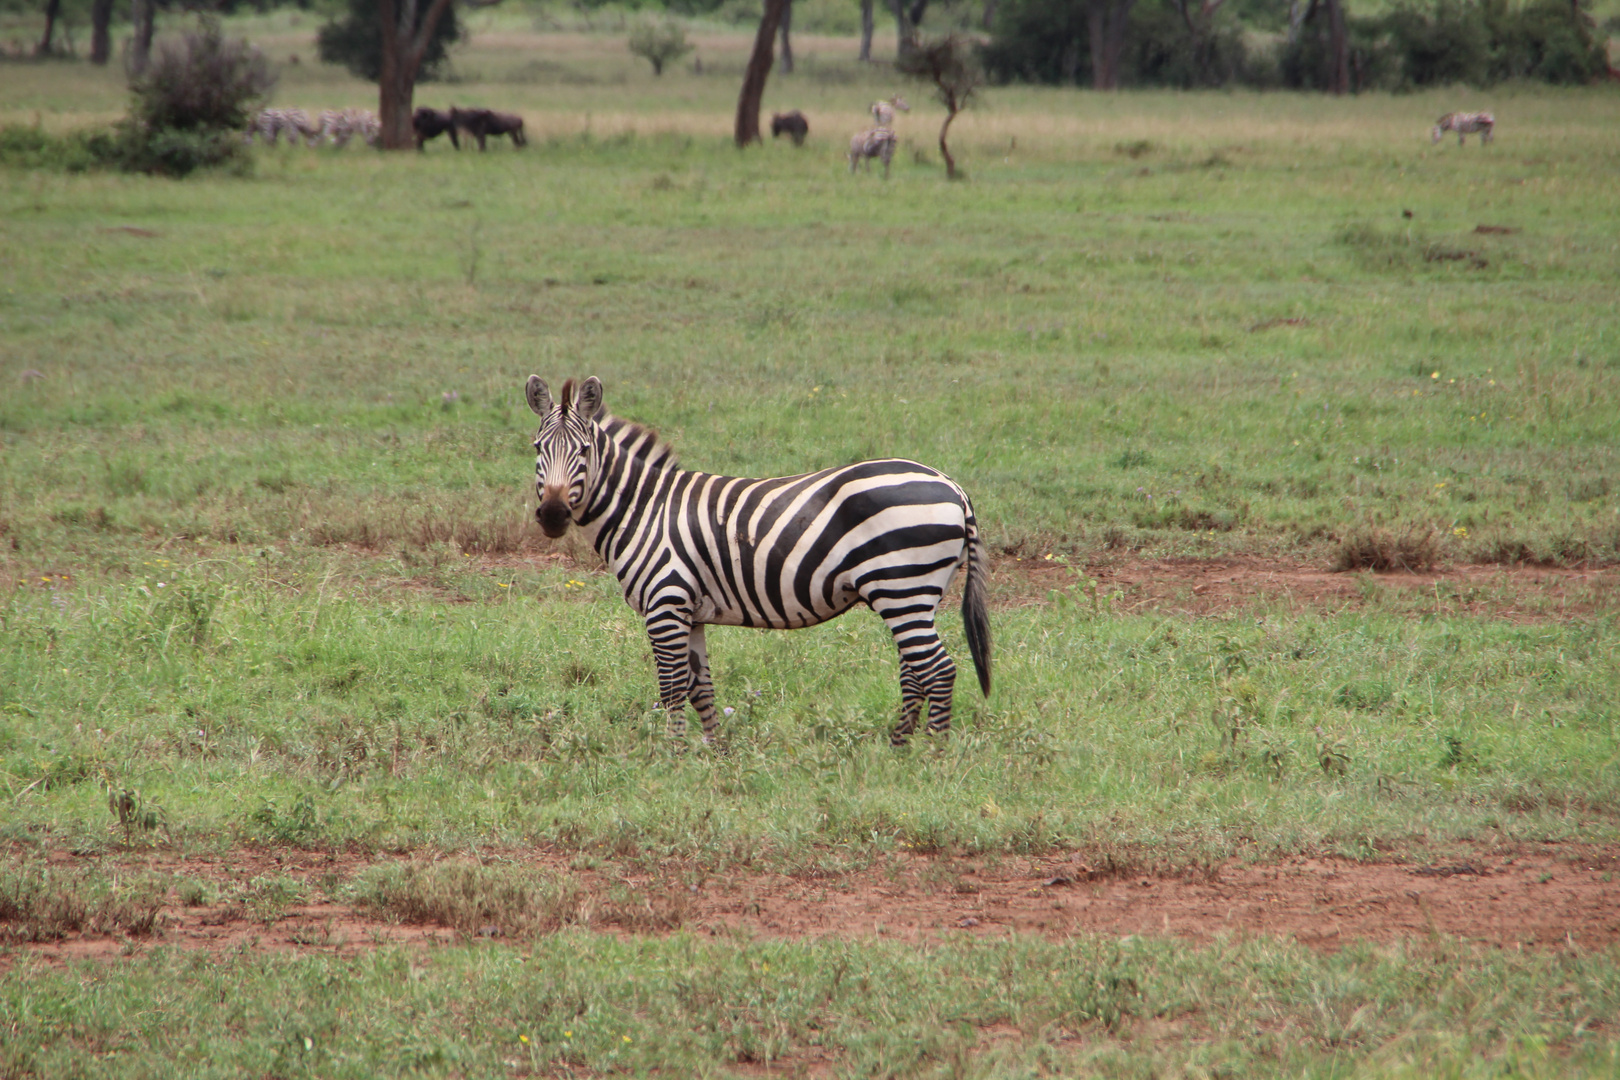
pixel 927 674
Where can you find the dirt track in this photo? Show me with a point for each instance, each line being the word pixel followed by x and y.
pixel 1551 896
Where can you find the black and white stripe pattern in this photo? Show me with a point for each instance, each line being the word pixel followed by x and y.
pixel 1464 123
pixel 271 124
pixel 338 126
pixel 691 549
pixel 883 111
pixel 876 143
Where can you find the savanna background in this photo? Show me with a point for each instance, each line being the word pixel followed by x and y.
pixel 1292 434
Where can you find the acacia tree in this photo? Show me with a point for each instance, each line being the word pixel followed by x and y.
pixel 404 42
pixel 950 64
pixel 759 69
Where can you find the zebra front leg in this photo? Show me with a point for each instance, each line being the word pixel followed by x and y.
pixel 670 632
pixel 701 688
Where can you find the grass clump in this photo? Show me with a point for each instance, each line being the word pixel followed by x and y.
pixel 1411 548
pixel 44 903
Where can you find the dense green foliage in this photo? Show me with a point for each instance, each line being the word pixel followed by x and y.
pixel 1412 44
pixel 354 40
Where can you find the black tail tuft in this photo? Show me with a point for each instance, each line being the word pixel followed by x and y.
pixel 975 616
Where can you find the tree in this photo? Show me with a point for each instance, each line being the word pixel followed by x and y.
pixel 787 40
pixel 143 13
pixel 1107 21
pixel 866 30
pixel 396 44
pixel 759 69
pixel 950 64
pixel 100 31
pixel 659 41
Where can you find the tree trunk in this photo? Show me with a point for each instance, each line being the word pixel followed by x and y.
pixel 787 43
pixel 140 46
pixel 100 31
pixel 944 150
pixel 402 52
pixel 759 69
pixel 866 30
pixel 53 8
pixel 989 19
pixel 905 31
pixel 1338 49
pixel 1106 20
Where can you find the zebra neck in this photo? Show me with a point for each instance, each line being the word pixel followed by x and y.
pixel 628 487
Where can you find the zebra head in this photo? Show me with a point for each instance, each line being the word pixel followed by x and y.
pixel 565 449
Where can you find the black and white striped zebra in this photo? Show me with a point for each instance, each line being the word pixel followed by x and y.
pixel 1464 123
pixel 271 124
pixel 876 143
pixel 691 550
pixel 338 126
pixel 883 111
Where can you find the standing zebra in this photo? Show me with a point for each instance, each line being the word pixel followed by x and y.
pixel 883 111
pixel 877 143
pixel 691 549
pixel 338 126
pixel 1464 123
pixel 271 124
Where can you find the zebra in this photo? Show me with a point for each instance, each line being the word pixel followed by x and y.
pixel 338 126
pixel 876 143
pixel 1464 123
pixel 271 124
pixel 883 111
pixel 691 550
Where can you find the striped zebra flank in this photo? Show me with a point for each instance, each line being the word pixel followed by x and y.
pixel 691 549
pixel 1464 124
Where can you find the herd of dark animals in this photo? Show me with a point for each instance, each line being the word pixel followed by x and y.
pixel 479 123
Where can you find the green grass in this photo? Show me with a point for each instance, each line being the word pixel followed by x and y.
pixel 268 577
pixel 576 1003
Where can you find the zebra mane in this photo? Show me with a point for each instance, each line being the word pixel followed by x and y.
pixel 636 439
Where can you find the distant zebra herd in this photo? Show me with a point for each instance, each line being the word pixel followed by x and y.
pixel 337 127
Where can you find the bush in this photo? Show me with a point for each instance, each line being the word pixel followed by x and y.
pixel 1448 43
pixel 1160 50
pixel 355 41
pixel 200 82
pixel 1548 40
pixel 31 148
pixel 190 105
pixel 658 41
pixel 1039 41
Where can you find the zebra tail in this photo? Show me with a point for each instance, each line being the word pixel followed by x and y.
pixel 975 615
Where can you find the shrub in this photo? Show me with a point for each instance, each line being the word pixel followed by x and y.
pixel 1447 43
pixel 1550 40
pixel 32 148
pixel 1161 50
pixel 355 41
pixel 658 41
pixel 1041 41
pixel 191 104
pixel 201 82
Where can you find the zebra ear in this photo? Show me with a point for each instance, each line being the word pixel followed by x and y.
pixel 589 402
pixel 539 396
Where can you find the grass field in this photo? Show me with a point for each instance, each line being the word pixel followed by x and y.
pixel 270 588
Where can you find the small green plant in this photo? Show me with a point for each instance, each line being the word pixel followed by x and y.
pixel 1082 596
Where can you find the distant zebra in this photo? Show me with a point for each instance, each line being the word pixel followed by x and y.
pixel 271 124
pixel 883 111
pixel 338 126
pixel 877 143
pixel 691 549
pixel 1464 123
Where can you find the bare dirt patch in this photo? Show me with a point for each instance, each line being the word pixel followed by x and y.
pixel 1548 896
pixel 1216 586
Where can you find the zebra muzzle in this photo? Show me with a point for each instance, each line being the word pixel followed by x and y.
pixel 552 514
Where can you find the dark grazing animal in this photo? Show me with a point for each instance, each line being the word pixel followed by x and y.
pixel 791 123
pixel 430 124
pixel 691 549
pixel 482 123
